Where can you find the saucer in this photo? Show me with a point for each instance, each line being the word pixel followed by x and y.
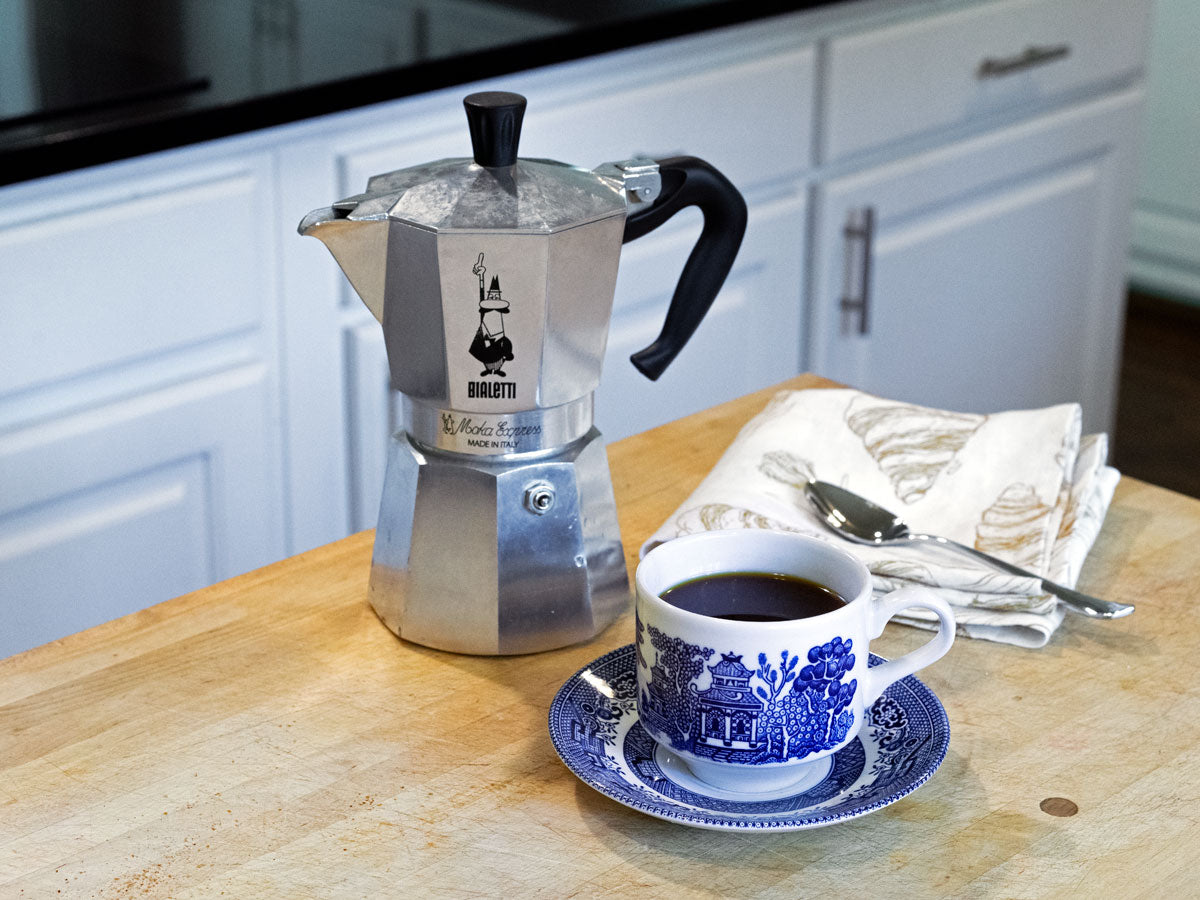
pixel 595 729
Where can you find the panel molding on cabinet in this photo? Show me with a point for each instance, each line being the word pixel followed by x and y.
pixel 313 377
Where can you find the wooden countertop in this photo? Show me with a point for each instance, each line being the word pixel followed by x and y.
pixel 268 737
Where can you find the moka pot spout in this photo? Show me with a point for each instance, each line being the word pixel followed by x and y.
pixel 360 248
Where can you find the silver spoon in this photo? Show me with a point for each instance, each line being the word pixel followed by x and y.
pixel 860 520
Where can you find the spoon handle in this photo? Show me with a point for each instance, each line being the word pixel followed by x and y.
pixel 1076 601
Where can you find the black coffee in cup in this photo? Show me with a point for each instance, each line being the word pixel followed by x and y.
pixel 754 597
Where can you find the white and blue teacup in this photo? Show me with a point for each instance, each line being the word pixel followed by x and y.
pixel 755 706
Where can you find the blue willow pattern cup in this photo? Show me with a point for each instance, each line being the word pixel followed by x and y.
pixel 759 706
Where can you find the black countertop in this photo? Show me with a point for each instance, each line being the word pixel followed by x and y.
pixel 88 83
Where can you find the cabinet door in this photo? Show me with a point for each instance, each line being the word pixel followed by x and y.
pixel 750 338
pixel 992 275
pixel 112 509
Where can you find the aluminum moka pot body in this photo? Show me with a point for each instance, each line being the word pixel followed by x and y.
pixel 493 278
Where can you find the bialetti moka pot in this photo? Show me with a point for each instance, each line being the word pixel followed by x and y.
pixel 493 278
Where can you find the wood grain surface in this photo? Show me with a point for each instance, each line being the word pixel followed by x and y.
pixel 268 737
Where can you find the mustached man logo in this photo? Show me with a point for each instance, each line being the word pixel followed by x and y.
pixel 491 346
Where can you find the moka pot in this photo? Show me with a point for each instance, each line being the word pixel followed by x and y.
pixel 493 279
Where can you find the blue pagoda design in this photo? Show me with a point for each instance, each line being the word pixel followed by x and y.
pixel 729 712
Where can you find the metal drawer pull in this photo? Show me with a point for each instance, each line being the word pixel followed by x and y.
pixel 1030 57
pixel 856 261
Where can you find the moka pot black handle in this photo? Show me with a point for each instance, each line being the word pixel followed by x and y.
pixel 688 181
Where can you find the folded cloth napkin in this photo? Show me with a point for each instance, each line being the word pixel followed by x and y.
pixel 1023 486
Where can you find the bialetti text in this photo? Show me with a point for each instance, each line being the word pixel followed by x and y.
pixel 492 390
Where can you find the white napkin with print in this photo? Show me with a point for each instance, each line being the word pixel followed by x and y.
pixel 1023 486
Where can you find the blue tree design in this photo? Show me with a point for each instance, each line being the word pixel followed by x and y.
pixel 825 694
pixel 807 708
pixel 676 667
pixel 775 683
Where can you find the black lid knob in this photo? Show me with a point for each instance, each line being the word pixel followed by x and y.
pixel 494 118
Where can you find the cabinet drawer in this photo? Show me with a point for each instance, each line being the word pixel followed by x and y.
pixel 950 69
pixel 751 118
pixel 97 277
pixel 992 275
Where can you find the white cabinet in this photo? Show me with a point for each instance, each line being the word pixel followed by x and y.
pixel 971 211
pixel 139 453
pixel 188 389
pixel 994 267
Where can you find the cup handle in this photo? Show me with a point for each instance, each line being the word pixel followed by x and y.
pixel 878 678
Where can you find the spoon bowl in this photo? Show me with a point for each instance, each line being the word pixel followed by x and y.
pixel 855 517
pixel 858 519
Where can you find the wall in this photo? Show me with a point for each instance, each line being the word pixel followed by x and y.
pixel 1165 258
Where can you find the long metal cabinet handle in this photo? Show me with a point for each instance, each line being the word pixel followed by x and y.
pixel 1032 56
pixel 856 274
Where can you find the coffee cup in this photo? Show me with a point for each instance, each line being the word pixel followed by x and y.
pixel 753 670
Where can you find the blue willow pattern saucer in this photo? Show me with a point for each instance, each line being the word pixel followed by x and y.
pixel 595 729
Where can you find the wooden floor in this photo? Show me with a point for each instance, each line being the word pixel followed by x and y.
pixel 1157 435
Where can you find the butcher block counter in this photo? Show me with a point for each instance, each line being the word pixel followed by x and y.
pixel 268 737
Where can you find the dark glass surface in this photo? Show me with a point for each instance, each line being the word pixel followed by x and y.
pixel 82 83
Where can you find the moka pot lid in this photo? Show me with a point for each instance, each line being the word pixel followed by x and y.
pixel 494 190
